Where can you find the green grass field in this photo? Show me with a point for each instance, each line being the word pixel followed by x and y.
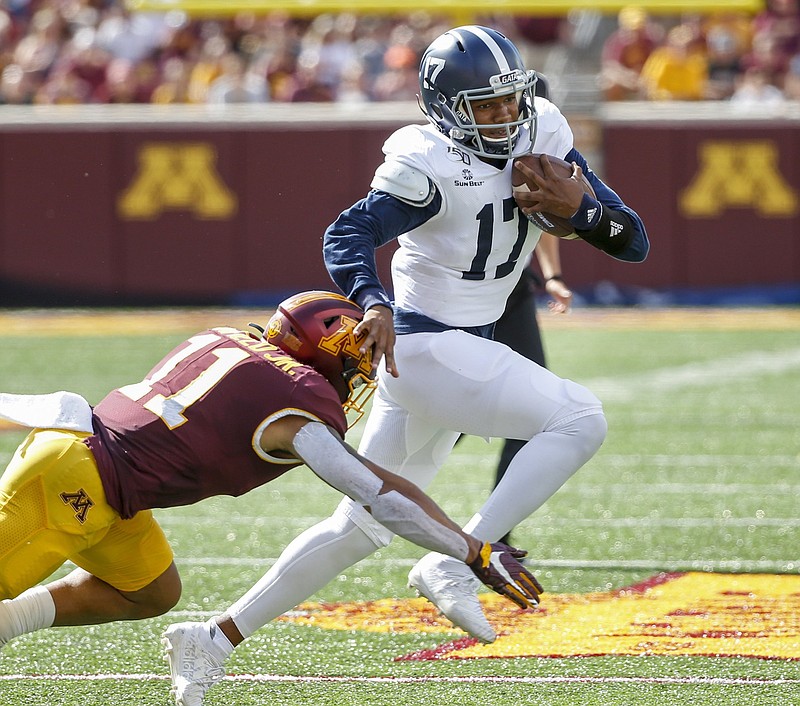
pixel 699 473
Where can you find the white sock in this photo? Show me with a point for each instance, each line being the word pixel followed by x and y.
pixel 219 640
pixel 29 611
pixel 308 563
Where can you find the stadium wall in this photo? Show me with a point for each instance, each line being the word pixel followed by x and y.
pixel 193 205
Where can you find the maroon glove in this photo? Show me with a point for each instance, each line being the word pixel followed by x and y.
pixel 498 567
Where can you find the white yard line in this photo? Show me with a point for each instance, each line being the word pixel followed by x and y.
pixel 694 375
pixel 770 566
pixel 270 678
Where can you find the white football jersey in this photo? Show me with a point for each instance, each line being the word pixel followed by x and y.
pixel 461 265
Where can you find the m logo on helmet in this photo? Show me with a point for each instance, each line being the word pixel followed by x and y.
pixel 345 342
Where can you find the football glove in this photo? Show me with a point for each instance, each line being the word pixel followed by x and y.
pixel 498 567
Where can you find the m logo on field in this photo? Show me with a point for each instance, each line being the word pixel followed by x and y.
pixel 177 176
pixel 738 175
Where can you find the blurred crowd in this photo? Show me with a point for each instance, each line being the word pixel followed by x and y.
pixel 96 51
pixel 720 56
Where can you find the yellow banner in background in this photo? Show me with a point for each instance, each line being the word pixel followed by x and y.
pixel 701 614
pixel 459 7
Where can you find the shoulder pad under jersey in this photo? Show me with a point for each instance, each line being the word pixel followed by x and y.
pixel 404 182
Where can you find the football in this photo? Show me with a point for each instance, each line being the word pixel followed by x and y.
pixel 548 222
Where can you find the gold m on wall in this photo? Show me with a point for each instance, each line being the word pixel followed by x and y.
pixel 738 174
pixel 177 176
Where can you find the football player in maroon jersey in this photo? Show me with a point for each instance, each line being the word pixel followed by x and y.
pixel 225 412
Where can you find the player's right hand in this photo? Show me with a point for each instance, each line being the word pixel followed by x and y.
pixel 379 328
pixel 497 566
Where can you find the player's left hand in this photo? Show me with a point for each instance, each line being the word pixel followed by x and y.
pixel 378 325
pixel 497 566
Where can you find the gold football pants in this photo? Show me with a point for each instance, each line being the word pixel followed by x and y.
pixel 53 508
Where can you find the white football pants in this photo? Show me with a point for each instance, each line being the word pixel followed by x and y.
pixel 449 383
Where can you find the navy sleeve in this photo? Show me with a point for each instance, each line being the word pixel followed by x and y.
pixel 639 246
pixel 350 242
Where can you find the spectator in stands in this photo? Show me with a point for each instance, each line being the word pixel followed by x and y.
pixel 400 77
pixel 16 87
pixel 173 86
pixel 780 19
pixel 237 83
pixel 38 50
pixel 353 86
pixel 767 55
pixel 755 90
pixel 208 65
pixel 8 38
pixel 676 71
pixel 625 52
pixel 372 38
pixel 59 47
pixel 727 40
pixel 328 47
pixel 131 35
pixel 122 84
pixel 87 61
pixel 309 86
pixel 791 82
pixel 63 88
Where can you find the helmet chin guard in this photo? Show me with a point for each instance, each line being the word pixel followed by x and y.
pixel 474 63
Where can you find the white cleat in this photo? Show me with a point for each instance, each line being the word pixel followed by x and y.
pixel 193 667
pixel 452 587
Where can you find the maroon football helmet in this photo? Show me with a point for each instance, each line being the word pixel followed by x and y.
pixel 316 328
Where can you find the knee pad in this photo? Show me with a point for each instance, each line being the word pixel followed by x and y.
pixel 589 428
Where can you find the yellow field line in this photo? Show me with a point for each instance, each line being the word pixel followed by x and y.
pixel 166 321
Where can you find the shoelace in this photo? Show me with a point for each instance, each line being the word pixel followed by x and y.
pixel 458 584
pixel 210 677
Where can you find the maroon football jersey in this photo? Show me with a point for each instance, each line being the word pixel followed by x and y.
pixel 190 429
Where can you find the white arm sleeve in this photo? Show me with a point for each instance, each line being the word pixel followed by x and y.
pixel 324 454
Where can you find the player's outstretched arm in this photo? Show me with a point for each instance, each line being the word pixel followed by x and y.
pixel 406 510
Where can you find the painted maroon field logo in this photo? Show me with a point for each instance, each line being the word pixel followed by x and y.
pixel 725 615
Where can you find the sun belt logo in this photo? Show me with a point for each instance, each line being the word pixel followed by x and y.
pixel 738 174
pixel 177 177
pixel 467 179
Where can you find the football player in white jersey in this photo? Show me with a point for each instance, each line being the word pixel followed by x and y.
pixel 444 192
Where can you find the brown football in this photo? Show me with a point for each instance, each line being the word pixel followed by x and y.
pixel 548 222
